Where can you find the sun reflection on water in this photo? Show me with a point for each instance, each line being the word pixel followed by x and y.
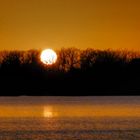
pixel 48 112
pixel 63 108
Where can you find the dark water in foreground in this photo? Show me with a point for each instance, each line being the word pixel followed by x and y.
pixel 69 118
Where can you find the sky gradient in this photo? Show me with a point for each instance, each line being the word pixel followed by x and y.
pixel 99 24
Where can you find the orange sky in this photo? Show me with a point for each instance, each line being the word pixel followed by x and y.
pixel 100 24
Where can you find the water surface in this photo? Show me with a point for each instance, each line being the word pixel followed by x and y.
pixel 70 118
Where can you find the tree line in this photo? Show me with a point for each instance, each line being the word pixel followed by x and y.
pixel 68 59
pixel 76 71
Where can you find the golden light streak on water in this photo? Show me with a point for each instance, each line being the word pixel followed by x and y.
pixel 50 111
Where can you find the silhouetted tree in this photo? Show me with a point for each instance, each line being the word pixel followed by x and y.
pixel 88 58
pixel 11 62
pixel 69 59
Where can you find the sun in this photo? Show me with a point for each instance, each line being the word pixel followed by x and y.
pixel 48 56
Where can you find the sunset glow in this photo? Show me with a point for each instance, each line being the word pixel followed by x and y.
pixel 100 24
pixel 69 69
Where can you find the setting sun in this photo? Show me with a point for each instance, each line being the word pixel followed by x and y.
pixel 48 56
